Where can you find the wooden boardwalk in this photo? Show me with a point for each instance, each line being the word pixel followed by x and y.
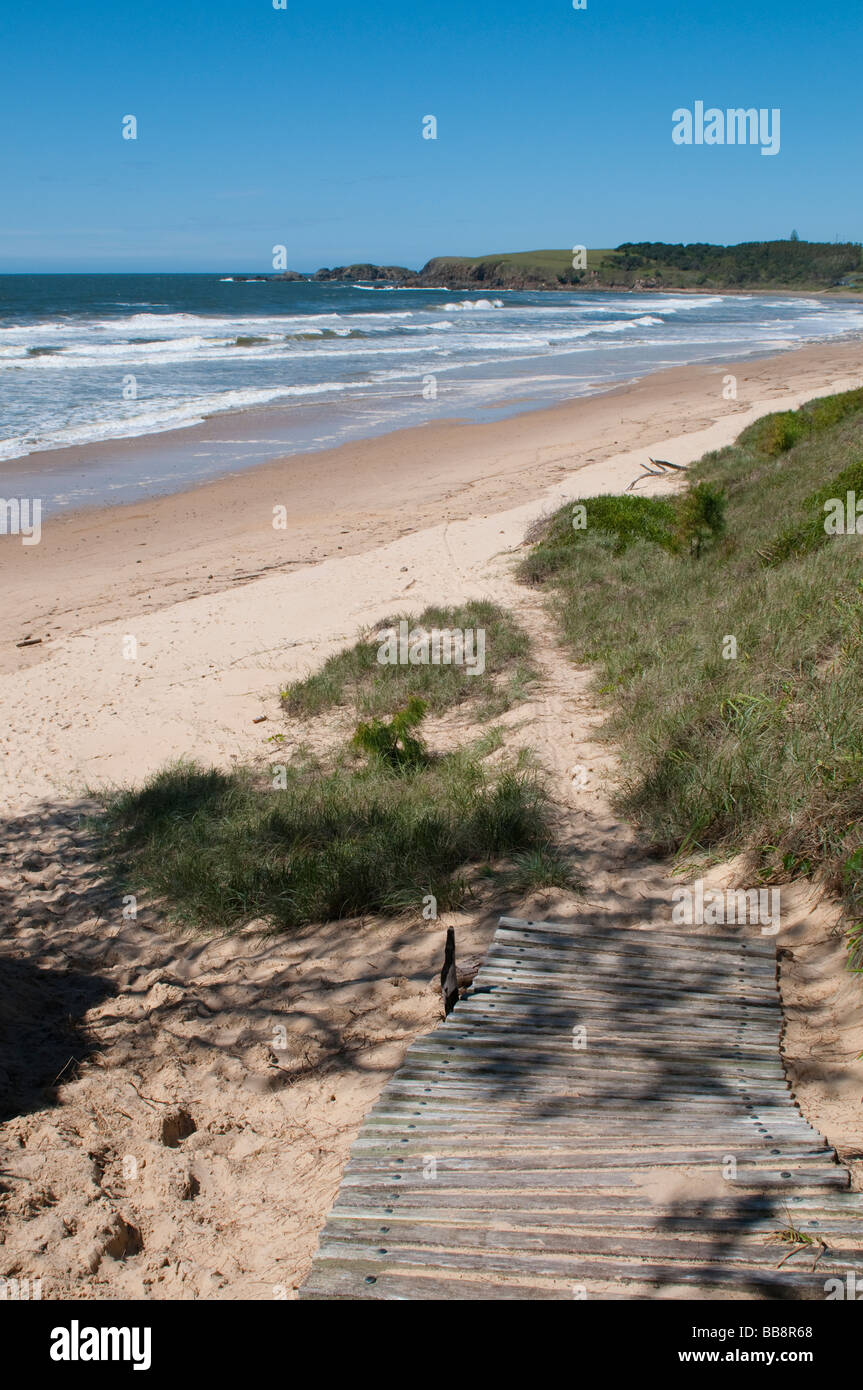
pixel 605 1114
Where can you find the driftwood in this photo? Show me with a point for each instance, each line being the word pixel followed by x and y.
pixel 466 971
pixel 657 472
pixel 648 472
pixel 663 463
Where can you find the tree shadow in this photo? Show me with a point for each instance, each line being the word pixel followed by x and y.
pixel 44 995
pixel 42 1041
pixel 66 947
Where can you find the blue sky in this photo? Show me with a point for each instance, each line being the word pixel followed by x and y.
pixel 302 126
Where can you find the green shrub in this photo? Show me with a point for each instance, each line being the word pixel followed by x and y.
pixel 701 517
pixel 622 520
pixel 395 743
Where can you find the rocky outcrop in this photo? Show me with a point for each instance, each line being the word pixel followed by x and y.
pixel 454 274
pixel 493 274
pixel 391 274
pixel 445 272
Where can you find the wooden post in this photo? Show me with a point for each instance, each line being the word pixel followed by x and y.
pixel 449 975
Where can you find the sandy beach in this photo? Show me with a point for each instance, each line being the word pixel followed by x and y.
pixel 171 1064
pixel 90 567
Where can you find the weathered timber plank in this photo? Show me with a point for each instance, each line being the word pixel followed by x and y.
pixel 584 933
pixel 550 1160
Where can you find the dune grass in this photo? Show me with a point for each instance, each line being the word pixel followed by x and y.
pixel 683 523
pixel 775 434
pixel 807 532
pixel 620 520
pixel 375 826
pixel 355 678
pixel 223 849
pixel 759 752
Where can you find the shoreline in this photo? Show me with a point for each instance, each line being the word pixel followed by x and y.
pixel 96 565
pixel 225 609
pixel 171 456
pixel 67 457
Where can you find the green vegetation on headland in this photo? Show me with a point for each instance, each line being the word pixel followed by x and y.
pixel 733 678
pixel 753 265
pixel 373 826
pixel 795 265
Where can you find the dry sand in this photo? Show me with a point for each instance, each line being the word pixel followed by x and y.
pixel 187 1151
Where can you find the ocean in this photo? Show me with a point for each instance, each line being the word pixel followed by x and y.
pixel 86 359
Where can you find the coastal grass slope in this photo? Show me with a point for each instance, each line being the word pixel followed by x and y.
pixel 733 675
pixel 752 265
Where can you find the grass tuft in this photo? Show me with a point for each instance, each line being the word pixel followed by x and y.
pixel 355 677
pixel 618 521
pixel 397 744
pixel 223 849
pixel 540 868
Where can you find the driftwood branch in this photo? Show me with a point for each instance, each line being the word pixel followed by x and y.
pixel 657 472
pixel 664 463
pixel 648 473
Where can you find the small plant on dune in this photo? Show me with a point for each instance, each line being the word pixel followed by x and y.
pixel 701 517
pixel 540 868
pixel 394 743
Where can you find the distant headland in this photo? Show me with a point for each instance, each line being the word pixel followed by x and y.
pixel 647 265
